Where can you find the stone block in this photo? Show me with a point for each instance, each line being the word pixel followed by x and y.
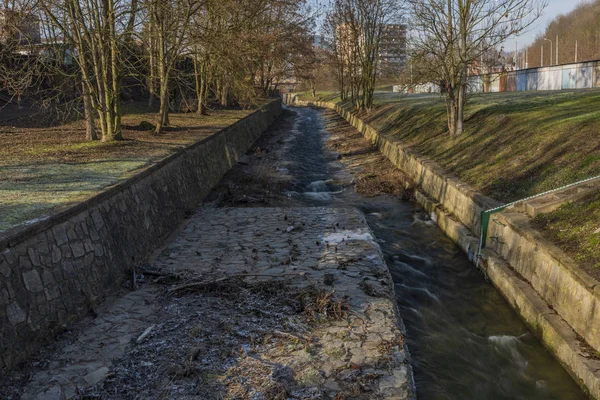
pixel 65 251
pixel 32 281
pixel 56 254
pixel 60 234
pixel 9 256
pixel 84 228
pixel 88 245
pixel 68 270
pixel 98 249
pixel 77 249
pixel 98 221
pixel 25 262
pixel 4 297
pixel 51 292
pixel 34 256
pixel 15 313
pixel 4 268
pixel 48 277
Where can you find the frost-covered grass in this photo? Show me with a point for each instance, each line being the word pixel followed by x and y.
pixel 46 168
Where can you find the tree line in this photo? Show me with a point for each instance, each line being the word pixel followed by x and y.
pixel 578 37
pixel 449 40
pixel 181 52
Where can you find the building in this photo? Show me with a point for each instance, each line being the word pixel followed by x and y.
pixel 392 49
pixel 392 52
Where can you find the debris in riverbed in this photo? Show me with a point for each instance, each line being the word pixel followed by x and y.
pixel 145 334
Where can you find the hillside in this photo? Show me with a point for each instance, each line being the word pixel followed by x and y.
pixel 581 25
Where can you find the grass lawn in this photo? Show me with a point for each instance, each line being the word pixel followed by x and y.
pixel 515 145
pixel 42 168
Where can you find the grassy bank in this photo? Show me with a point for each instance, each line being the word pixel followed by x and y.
pixel 44 168
pixel 575 227
pixel 515 145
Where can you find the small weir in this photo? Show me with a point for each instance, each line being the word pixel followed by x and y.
pixel 465 340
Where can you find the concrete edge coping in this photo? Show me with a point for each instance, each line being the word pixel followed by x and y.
pixel 547 325
pixel 520 224
pixel 550 328
pixel 18 233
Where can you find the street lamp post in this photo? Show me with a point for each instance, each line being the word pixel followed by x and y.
pixel 550 49
pixel 557 63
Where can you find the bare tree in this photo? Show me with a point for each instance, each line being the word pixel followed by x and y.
pixel 285 34
pixel 231 51
pixel 170 22
pixel 21 71
pixel 95 30
pixel 451 35
pixel 355 29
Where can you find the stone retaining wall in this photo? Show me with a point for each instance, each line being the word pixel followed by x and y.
pixel 53 272
pixel 558 301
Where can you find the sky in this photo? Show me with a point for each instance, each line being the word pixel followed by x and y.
pixel 555 8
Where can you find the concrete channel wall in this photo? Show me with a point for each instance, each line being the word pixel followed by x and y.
pixel 559 302
pixel 53 272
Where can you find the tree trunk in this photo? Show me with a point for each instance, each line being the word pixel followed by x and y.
pixel 200 75
pixel 163 112
pixel 225 96
pixel 452 103
pixel 88 110
pixel 460 111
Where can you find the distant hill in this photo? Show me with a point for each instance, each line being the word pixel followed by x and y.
pixel 581 25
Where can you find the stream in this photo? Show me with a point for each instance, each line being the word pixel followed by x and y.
pixel 465 340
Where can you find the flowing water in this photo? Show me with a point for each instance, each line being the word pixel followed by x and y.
pixel 465 340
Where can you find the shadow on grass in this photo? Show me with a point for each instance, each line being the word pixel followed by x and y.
pixel 514 145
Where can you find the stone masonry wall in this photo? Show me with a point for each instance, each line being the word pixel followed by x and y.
pixel 53 272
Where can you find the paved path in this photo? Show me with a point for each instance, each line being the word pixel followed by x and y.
pixel 325 248
pixel 87 359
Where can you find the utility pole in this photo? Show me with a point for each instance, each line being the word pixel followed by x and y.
pixel 576 51
pixel 557 63
pixel 482 57
pixel 516 55
pixel 542 58
pixel 527 58
pixel 550 50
